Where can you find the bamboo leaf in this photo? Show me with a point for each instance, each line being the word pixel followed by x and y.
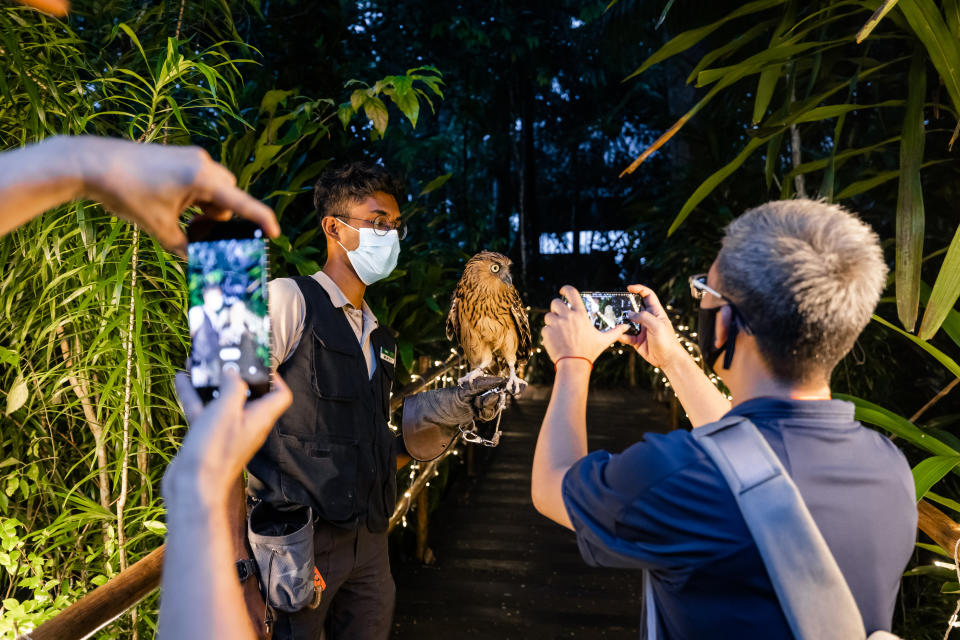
pixel 765 86
pixel 711 183
pixel 946 290
pixel 687 39
pixel 940 356
pixel 951 12
pixel 832 111
pixel 726 50
pixel 951 323
pixel 17 395
pixel 669 133
pixel 927 23
pixel 934 549
pixel 862 186
pixel 875 19
pixel 946 502
pixel 875 414
pixel 910 214
pixel 930 471
pixel 436 183
pixel 8 356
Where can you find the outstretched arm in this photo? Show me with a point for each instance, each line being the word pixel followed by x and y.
pixel 201 596
pixel 573 344
pixel 150 185
pixel 657 344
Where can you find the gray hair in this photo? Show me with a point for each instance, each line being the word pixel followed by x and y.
pixel 807 276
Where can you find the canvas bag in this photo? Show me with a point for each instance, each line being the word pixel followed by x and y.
pixel 811 590
pixel 282 543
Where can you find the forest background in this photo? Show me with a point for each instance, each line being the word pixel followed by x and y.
pixel 511 123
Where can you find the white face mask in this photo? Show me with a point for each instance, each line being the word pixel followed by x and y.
pixel 376 256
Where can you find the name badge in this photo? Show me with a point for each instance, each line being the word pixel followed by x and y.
pixel 388 356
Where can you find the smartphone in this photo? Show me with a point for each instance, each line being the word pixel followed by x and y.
pixel 607 309
pixel 227 310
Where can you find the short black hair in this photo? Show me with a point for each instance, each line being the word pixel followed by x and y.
pixel 352 182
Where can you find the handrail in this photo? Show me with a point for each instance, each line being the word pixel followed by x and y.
pixel 115 597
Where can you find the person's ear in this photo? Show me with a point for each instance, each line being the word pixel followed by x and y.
pixel 330 227
pixel 721 330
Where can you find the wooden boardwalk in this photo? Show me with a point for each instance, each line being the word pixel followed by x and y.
pixel 505 572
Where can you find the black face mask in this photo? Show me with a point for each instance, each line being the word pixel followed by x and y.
pixel 705 338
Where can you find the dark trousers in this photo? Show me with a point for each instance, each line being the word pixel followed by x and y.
pixel 358 601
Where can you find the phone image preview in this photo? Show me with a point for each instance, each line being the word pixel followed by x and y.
pixel 607 309
pixel 227 310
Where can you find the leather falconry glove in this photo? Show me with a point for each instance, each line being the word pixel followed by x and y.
pixel 432 419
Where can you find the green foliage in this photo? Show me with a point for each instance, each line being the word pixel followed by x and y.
pixel 862 94
pixel 95 311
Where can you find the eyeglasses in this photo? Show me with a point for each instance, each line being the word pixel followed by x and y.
pixel 699 287
pixel 381 226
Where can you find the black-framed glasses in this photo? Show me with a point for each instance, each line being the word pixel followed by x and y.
pixel 381 226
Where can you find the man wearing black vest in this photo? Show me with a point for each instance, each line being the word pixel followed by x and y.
pixel 333 450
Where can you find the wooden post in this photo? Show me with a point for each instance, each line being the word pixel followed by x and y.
pixel 423 519
pixel 632 367
pixel 105 603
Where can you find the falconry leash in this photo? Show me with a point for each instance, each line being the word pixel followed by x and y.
pixel 470 433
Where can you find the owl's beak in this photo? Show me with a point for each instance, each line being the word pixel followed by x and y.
pixel 506 277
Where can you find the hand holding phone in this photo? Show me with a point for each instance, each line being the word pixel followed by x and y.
pixel 227 312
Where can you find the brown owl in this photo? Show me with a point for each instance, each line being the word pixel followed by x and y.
pixel 488 320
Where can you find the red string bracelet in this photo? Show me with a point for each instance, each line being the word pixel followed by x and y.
pixel 557 361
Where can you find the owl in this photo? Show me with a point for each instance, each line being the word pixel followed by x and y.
pixel 489 321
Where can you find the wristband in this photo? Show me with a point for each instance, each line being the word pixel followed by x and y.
pixel 557 361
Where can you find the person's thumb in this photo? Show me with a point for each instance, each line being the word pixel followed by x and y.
pixel 233 390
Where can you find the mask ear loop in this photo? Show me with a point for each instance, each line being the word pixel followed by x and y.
pixel 728 346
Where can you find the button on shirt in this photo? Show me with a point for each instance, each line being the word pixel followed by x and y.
pixel 663 505
pixel 288 314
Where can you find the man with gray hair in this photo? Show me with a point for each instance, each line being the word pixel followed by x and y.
pixel 793 286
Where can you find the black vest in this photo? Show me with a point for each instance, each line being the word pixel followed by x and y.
pixel 332 450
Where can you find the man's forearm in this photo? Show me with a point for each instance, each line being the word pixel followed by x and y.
pixel 562 440
pixel 700 398
pixel 37 178
pixel 199 578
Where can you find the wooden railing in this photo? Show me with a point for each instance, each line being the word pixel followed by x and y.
pixel 108 602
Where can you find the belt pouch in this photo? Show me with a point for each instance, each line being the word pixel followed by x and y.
pixel 282 542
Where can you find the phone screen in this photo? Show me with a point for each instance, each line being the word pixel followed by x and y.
pixel 228 314
pixel 608 309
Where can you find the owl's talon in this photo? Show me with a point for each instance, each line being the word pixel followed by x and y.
pixel 470 377
pixel 515 385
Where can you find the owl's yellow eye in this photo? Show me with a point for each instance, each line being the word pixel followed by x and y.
pixel 494 268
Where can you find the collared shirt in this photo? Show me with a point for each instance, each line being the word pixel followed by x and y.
pixel 663 505
pixel 288 313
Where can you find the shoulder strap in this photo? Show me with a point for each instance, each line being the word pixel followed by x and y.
pixel 811 590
